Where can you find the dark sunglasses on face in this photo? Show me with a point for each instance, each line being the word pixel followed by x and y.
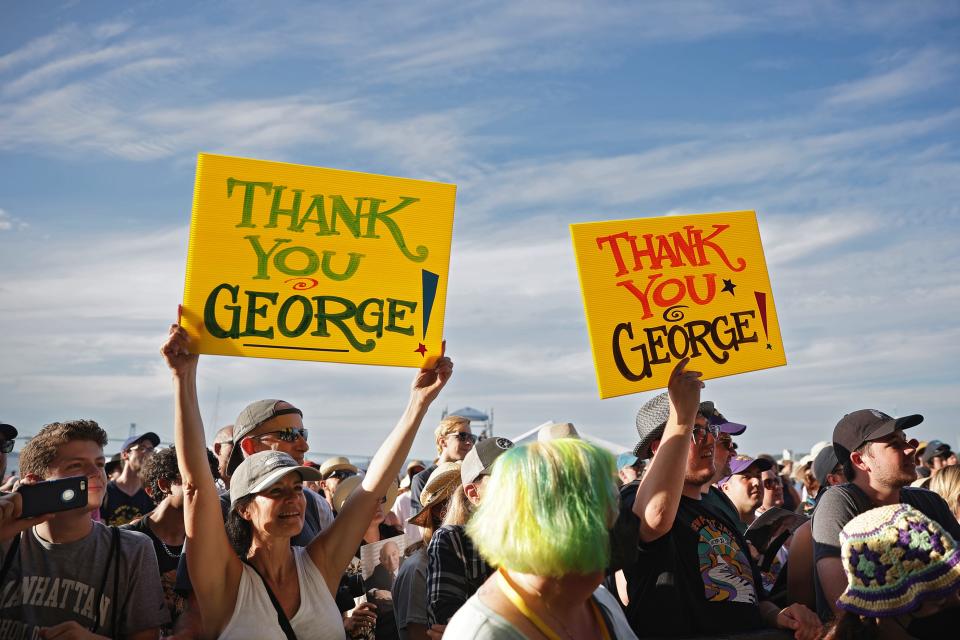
pixel 6 446
pixel 287 435
pixel 770 484
pixel 342 474
pixel 700 433
pixel 464 437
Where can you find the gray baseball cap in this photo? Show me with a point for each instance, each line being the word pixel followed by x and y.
pixel 824 464
pixel 479 461
pixel 264 469
pixel 252 416
pixel 651 421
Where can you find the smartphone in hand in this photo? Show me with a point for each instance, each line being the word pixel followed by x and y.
pixel 52 496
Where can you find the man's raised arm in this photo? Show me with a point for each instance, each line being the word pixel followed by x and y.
pixel 658 495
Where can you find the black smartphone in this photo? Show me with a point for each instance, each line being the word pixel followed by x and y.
pixel 52 496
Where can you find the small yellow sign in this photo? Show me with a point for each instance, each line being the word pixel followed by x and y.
pixel 305 263
pixel 656 290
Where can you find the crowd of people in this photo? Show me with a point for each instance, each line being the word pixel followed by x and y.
pixel 684 536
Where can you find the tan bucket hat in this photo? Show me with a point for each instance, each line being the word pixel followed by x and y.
pixel 443 482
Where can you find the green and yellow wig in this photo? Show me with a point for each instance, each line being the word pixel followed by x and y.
pixel 547 509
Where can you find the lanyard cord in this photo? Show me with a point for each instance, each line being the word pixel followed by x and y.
pixel 508 590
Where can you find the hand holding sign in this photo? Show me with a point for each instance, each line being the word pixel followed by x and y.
pixel 684 389
pixel 430 381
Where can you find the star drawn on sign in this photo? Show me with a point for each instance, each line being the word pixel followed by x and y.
pixel 422 349
pixel 728 286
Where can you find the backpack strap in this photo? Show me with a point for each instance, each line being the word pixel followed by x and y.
pixel 112 560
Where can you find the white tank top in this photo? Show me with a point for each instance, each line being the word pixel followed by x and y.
pixel 255 618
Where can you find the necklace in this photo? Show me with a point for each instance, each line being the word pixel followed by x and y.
pixel 167 549
pixel 162 543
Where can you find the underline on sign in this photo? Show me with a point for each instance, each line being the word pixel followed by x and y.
pixel 277 346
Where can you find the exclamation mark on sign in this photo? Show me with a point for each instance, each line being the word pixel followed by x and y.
pixel 762 307
pixel 428 282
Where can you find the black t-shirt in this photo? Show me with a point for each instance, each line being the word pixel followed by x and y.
pixel 698 579
pixel 168 556
pixel 121 508
pixel 417 483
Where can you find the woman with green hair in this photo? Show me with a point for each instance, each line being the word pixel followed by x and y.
pixel 550 548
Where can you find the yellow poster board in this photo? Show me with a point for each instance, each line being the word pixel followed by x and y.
pixel 305 263
pixel 656 290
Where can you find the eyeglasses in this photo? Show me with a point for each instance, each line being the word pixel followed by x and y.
pixel 289 434
pixel 342 474
pixel 6 446
pixel 771 483
pixel 464 437
pixel 700 433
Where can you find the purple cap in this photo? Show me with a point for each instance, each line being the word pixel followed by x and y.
pixel 714 417
pixel 740 464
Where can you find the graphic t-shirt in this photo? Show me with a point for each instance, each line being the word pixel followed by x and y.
pixel 121 508
pixel 698 579
pixel 48 584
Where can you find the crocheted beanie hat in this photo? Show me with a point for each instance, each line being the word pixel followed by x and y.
pixel 896 558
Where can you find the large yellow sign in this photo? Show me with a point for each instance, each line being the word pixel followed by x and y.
pixel 304 263
pixel 656 290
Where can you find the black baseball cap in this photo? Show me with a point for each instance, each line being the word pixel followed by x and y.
pixel 857 428
pixel 8 431
pixel 935 448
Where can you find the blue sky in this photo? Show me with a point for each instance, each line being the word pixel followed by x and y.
pixel 837 122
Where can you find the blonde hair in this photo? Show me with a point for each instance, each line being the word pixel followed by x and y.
pixel 947 485
pixel 459 508
pixel 450 424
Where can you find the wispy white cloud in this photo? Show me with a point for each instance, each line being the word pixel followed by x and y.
pixel 909 74
pixel 37 48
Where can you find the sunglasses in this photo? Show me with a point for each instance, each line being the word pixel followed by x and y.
pixel 464 437
pixel 700 433
pixel 6 446
pixel 771 483
pixel 725 441
pixel 289 434
pixel 342 474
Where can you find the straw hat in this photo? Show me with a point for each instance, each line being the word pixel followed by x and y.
pixel 338 463
pixel 348 485
pixel 556 430
pixel 442 484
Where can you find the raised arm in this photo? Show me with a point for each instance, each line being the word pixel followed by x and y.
pixel 214 568
pixel 658 495
pixel 332 550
